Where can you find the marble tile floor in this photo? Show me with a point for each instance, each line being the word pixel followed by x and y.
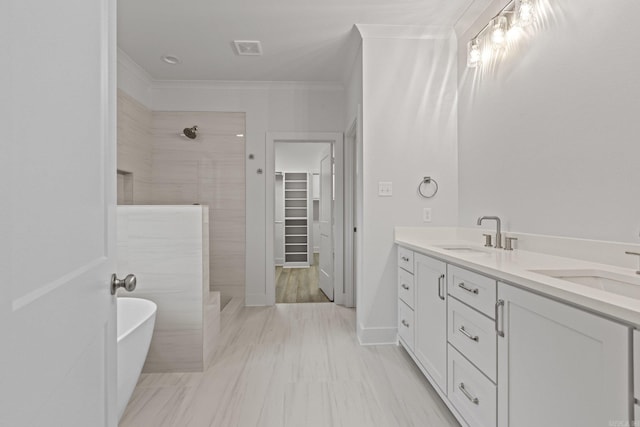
pixel 291 365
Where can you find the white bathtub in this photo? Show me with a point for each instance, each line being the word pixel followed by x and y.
pixel 136 318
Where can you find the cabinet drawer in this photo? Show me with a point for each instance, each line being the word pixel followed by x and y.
pixel 470 392
pixel 405 259
pixel 474 289
pixel 406 324
pixel 473 334
pixel 406 289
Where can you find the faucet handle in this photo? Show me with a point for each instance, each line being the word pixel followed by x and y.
pixel 634 253
pixel 487 240
pixel 508 243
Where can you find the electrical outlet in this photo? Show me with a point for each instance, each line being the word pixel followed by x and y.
pixel 426 214
pixel 385 189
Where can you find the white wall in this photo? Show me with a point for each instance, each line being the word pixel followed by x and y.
pixel 353 89
pixel 409 131
pixel 548 136
pixel 299 156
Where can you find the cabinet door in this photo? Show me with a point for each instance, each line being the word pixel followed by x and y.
pixel 431 317
pixel 558 365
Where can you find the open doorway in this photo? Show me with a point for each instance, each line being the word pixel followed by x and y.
pixel 304 218
pixel 303 226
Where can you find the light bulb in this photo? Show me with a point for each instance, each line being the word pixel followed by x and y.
pixel 473 53
pixel 499 28
pixel 525 12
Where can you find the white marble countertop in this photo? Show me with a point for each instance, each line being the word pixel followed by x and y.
pixel 515 267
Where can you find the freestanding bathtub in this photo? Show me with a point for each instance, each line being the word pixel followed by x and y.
pixel 135 320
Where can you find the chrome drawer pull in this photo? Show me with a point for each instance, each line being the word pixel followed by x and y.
pixel 473 291
pixel 405 287
pixel 405 323
pixel 405 259
pixel 464 332
pixel 499 313
pixel 467 395
pixel 441 293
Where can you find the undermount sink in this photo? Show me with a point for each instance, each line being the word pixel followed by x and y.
pixel 607 281
pixel 463 249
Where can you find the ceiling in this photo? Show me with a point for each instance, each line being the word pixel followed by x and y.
pixel 302 40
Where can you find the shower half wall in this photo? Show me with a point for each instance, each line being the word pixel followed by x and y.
pixel 166 168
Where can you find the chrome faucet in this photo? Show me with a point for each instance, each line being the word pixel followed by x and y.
pixel 498 233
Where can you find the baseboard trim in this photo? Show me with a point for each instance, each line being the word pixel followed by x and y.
pixel 377 336
pixel 255 300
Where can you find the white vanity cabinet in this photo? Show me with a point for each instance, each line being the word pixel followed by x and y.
pixel 431 317
pixel 406 299
pixel 502 356
pixel 472 346
pixel 559 365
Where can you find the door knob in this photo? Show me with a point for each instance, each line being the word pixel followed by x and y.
pixel 129 283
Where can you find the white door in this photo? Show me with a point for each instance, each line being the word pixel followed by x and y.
pixel 57 213
pixel 431 317
pixel 326 223
pixel 558 365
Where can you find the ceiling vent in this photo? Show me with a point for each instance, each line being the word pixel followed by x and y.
pixel 248 47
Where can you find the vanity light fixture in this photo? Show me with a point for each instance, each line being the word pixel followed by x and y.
pixel 525 12
pixel 499 28
pixel 493 36
pixel 474 56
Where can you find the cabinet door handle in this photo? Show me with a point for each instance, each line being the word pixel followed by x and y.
pixel 405 287
pixel 440 287
pixel 464 391
pixel 464 332
pixel 471 291
pixel 405 323
pixel 405 259
pixel 499 318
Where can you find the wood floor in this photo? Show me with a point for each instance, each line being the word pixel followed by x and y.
pixel 296 285
pixel 291 365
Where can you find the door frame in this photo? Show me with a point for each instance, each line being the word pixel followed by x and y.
pixel 337 141
pixel 353 199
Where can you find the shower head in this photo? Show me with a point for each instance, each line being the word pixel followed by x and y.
pixel 191 132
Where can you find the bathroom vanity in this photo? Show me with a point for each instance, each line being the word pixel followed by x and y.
pixel 519 338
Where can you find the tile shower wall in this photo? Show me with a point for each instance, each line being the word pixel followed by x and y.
pixel 208 170
pixel 167 248
pixel 134 150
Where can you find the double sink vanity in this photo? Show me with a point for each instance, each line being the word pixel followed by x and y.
pixel 518 337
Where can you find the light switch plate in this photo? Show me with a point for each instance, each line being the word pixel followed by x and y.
pixel 385 189
pixel 426 214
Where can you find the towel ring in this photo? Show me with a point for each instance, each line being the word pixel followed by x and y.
pixel 428 180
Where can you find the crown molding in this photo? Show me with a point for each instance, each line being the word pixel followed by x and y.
pixel 372 31
pixel 133 67
pixel 246 85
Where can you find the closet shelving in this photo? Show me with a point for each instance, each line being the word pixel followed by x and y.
pixel 296 219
